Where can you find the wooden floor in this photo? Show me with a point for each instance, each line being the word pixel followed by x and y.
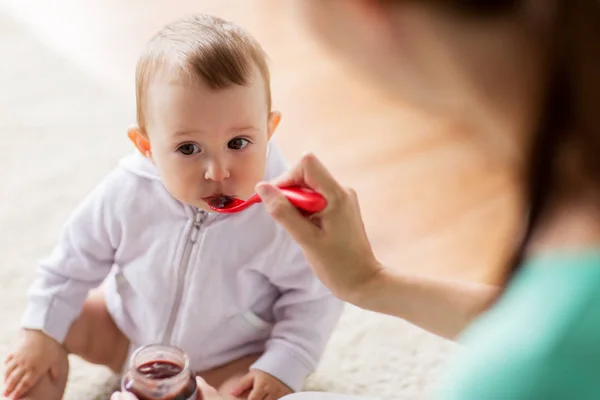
pixel 428 203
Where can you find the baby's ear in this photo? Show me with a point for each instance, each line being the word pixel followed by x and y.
pixel 139 140
pixel 274 118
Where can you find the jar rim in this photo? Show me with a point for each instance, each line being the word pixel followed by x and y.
pixel 185 368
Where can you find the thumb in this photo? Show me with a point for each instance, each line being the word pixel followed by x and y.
pixel 299 227
pixel 207 392
pixel 54 372
pixel 243 385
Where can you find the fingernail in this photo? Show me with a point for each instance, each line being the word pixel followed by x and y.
pixel 115 396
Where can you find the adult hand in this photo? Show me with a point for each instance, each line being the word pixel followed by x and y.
pixel 206 392
pixel 334 240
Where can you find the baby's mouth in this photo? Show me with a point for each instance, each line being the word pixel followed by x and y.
pixel 219 200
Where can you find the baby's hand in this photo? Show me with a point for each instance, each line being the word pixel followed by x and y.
pixel 261 386
pixel 35 355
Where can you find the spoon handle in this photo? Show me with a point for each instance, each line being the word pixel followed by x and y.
pixel 305 199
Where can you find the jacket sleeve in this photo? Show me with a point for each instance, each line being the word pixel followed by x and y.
pixel 305 315
pixel 79 262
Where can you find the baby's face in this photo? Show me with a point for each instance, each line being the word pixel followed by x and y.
pixel 208 142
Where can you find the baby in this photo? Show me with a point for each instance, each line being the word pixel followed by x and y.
pixel 233 291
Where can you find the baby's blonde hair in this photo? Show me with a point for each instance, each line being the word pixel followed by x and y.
pixel 204 49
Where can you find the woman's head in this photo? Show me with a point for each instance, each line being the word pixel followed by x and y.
pixel 484 58
pixel 523 70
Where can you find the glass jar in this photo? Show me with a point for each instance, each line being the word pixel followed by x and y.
pixel 159 372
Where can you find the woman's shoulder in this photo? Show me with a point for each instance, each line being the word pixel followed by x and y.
pixel 540 339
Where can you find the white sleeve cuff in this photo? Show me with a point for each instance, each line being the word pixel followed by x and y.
pixel 53 317
pixel 281 361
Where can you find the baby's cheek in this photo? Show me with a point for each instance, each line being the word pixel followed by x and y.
pixel 183 190
pixel 247 175
pixel 253 178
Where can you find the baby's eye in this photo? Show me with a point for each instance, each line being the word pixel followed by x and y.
pixel 238 143
pixel 188 149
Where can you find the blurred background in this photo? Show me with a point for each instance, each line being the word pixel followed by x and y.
pixel 67 97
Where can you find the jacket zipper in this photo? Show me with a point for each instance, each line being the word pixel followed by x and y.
pixel 199 218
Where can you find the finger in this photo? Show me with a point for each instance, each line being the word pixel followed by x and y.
pixel 243 385
pixel 207 392
pixel 54 372
pixel 10 367
pixel 276 204
pixel 13 380
pixel 257 393
pixel 312 173
pixel 318 177
pixel 123 396
pixel 8 359
pixel 25 383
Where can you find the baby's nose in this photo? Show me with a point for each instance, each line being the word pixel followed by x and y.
pixel 216 171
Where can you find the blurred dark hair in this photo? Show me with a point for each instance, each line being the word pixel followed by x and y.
pixel 568 127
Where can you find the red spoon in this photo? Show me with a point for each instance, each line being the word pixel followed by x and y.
pixel 306 200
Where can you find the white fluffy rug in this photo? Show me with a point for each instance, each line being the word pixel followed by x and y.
pixel 60 132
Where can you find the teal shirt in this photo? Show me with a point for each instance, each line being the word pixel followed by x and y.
pixel 540 341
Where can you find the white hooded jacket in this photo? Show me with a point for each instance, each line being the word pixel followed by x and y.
pixel 217 286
